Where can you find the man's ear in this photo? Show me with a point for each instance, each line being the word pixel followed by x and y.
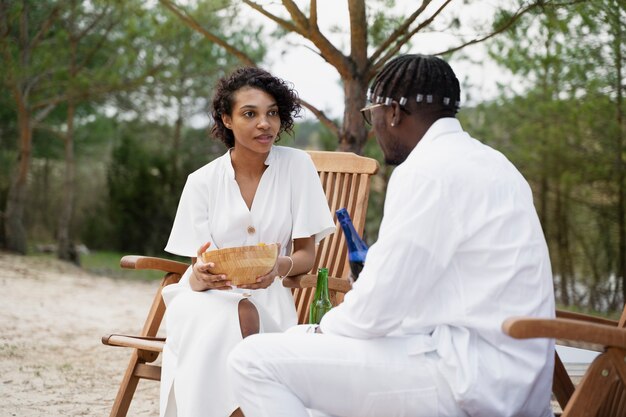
pixel 227 120
pixel 396 114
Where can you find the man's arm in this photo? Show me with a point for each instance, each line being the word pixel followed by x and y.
pixel 418 237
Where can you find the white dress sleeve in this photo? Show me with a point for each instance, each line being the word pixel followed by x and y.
pixel 309 207
pixel 191 225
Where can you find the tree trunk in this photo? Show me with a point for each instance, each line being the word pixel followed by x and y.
pixel 620 163
pixel 15 234
pixel 65 246
pixel 354 133
pixel 561 244
pixel 176 140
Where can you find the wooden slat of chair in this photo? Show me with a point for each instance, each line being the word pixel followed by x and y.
pixel 345 178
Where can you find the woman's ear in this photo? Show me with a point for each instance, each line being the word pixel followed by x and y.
pixel 227 120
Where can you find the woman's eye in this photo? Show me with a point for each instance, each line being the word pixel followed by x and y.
pixel 249 114
pixel 272 113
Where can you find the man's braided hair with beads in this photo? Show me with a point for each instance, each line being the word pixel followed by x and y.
pixel 423 79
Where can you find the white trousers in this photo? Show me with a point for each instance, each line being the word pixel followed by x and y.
pixel 281 375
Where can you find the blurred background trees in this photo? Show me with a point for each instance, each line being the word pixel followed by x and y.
pixel 102 110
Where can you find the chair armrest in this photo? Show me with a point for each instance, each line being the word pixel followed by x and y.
pixel 568 329
pixel 153 344
pixel 147 262
pixel 564 314
pixel 310 281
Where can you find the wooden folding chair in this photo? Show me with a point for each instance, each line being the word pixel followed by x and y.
pixel 602 390
pixel 346 181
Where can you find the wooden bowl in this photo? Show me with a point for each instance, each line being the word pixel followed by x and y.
pixel 243 264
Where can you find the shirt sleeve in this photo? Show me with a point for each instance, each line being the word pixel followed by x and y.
pixel 191 225
pixel 417 239
pixel 309 207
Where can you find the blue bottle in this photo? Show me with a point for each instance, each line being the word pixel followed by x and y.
pixel 357 248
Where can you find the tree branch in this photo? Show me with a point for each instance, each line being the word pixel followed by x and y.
pixel 296 14
pixel 313 16
pixel 45 26
pixel 282 22
pixel 96 91
pixel 520 12
pixel 193 24
pixel 399 30
pixel 322 117
pixel 403 40
pixel 90 54
pixel 43 113
pixel 328 51
pixel 97 18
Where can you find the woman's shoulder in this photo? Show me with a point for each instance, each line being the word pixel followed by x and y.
pixel 292 155
pixel 208 170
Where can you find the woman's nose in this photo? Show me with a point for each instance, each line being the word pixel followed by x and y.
pixel 263 122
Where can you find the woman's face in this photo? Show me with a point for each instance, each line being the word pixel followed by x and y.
pixel 254 120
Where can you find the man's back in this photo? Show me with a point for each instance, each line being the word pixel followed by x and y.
pixel 483 233
pixel 462 240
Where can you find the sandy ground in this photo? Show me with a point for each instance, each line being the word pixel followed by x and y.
pixel 52 317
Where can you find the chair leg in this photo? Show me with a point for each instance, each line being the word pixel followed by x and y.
pixel 127 388
pixel 593 389
pixel 562 387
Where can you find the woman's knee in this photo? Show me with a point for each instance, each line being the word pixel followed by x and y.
pixel 248 318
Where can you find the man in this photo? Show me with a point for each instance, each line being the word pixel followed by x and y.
pixel 460 249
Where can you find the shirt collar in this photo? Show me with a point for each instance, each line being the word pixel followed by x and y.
pixel 228 163
pixel 441 127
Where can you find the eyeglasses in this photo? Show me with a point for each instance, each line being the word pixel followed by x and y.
pixel 366 111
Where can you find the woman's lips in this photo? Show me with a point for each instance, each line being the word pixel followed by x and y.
pixel 264 138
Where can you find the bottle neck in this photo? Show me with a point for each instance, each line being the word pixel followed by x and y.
pixel 353 240
pixel 321 288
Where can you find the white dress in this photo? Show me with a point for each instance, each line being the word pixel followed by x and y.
pixel 203 327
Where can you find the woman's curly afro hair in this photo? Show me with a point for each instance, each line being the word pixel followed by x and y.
pixel 285 96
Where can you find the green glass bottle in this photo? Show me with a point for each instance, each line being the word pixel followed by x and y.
pixel 321 302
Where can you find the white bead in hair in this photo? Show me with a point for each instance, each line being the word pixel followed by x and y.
pixel 402 101
pixel 379 99
pixel 419 98
pixel 429 98
pixel 446 101
pixel 388 101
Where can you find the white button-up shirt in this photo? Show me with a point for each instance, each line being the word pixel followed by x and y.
pixel 460 249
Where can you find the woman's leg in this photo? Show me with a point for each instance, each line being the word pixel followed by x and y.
pixel 248 318
pixel 202 329
pixel 250 324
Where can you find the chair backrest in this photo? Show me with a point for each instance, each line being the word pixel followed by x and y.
pixel 345 178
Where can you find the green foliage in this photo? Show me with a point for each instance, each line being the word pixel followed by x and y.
pixel 561 132
pixel 310 135
pixel 108 263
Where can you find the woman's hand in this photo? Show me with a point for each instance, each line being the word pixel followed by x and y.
pixel 201 279
pixel 267 279
pixel 263 281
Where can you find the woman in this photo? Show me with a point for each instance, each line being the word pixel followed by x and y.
pixel 255 193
